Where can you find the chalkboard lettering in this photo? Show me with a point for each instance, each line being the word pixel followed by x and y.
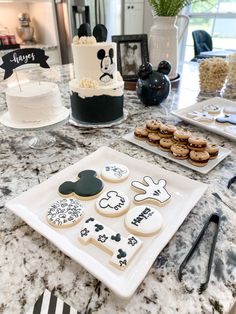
pixel 20 57
pixel 23 58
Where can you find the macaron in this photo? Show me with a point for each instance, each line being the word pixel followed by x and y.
pixel 199 159
pixel 213 150
pixel 152 125
pixel 197 143
pixel 180 151
pixel 166 143
pixel 166 130
pixel 153 139
pixel 140 133
pixel 181 136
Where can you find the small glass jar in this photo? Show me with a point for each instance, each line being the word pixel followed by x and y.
pixel 212 75
pixel 230 87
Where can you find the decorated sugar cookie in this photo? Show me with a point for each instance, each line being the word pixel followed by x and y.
pixel 230 118
pixel 88 185
pixel 112 203
pixel 143 220
pixel 230 109
pixel 115 172
pixel 201 116
pixel 152 191
pixel 211 108
pixel 65 213
pixel 122 248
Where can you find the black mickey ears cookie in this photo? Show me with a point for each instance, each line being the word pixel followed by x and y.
pixel 100 33
pixel 87 186
pixel 84 30
pixel 101 54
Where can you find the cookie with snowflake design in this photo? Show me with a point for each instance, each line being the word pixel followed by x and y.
pixel 65 213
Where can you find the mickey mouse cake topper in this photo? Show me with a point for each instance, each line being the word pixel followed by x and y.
pixel 99 32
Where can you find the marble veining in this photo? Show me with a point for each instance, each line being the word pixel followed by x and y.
pixel 29 263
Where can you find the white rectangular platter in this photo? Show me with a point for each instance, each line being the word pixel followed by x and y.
pixel 225 129
pixel 32 206
pixel 223 152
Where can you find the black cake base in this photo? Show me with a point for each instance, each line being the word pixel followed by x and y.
pixel 96 109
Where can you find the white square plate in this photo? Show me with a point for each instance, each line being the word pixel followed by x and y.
pixel 225 129
pixel 223 152
pixel 32 206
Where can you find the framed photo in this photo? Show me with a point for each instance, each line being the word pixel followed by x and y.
pixel 132 51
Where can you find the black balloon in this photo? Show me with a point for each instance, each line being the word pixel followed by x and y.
pixel 84 30
pixel 100 33
pixel 153 87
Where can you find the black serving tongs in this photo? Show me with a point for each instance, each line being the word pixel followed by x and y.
pixel 215 218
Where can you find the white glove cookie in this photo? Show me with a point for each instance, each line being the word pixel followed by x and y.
pixel 122 248
pixel 201 116
pixel 112 203
pixel 152 191
pixel 115 172
pixel 143 220
pixel 65 213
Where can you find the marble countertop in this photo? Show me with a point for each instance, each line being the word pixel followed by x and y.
pixel 38 46
pixel 29 263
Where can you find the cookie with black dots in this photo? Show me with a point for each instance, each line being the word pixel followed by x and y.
pixel 123 249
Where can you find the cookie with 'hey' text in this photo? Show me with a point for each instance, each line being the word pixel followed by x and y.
pixel 143 220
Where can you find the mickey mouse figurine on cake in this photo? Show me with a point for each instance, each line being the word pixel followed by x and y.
pixel 153 86
pixel 98 88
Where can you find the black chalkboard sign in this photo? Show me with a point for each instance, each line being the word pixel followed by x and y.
pixel 20 57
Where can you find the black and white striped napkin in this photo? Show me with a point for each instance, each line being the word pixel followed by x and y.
pixel 48 303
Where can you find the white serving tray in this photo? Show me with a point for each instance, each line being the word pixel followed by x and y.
pixel 223 152
pixel 225 129
pixel 32 206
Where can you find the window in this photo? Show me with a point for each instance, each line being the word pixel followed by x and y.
pixel 218 18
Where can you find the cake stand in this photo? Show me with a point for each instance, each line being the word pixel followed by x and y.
pixel 80 124
pixel 41 139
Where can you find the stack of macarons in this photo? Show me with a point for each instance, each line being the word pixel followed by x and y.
pixel 181 143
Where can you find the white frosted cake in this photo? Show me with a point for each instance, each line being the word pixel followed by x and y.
pixel 35 102
pixel 97 90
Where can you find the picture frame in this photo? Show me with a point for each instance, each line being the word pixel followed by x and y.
pixel 132 51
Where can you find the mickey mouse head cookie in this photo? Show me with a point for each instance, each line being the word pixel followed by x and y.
pixel 112 203
pixel 88 185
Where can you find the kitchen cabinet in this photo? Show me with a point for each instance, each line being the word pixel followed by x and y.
pixel 133 13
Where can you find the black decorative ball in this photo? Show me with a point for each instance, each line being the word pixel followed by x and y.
pixel 152 88
pixel 164 67
pixel 144 70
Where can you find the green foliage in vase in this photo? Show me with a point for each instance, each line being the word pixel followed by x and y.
pixel 170 7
